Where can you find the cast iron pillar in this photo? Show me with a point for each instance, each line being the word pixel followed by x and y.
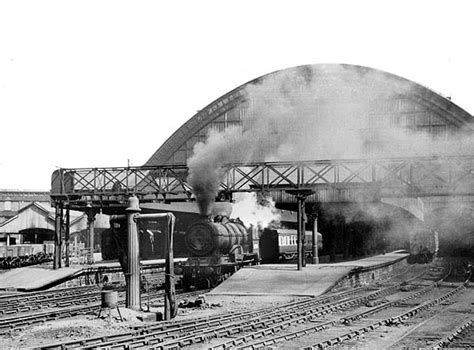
pixel 170 300
pixel 314 248
pixel 66 236
pixel 300 195
pixel 90 228
pixel 132 276
pixel 57 236
pixel 301 232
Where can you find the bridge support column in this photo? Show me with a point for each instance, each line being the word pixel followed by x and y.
pixel 300 201
pixel 301 232
pixel 132 276
pixel 58 235
pixel 66 236
pixel 314 234
pixel 345 238
pixel 90 228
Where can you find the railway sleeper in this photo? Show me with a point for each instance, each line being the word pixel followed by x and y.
pixel 366 329
pixel 390 321
pixel 326 311
pixel 444 342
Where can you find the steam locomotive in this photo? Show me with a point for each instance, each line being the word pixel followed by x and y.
pixel 214 249
pixel 424 245
pixel 218 248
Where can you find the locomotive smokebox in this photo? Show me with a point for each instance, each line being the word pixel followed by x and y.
pixel 208 238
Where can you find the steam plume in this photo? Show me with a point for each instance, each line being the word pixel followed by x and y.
pixel 313 113
pixel 251 212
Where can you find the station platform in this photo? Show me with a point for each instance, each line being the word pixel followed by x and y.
pixel 312 280
pixel 38 277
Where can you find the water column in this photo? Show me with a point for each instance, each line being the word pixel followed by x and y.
pixel 170 300
pixel 132 276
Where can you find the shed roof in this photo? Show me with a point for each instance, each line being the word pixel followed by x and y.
pixel 335 82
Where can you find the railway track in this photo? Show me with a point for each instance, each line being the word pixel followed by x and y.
pixel 384 318
pixel 10 299
pixel 340 319
pixel 57 298
pixel 66 306
pixel 176 334
pixel 461 337
pixel 48 299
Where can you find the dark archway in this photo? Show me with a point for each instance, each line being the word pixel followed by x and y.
pixel 37 235
pixel 455 225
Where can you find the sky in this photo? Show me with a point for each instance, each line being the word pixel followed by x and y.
pixel 105 83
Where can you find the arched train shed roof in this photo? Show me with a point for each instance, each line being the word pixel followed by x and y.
pixel 334 81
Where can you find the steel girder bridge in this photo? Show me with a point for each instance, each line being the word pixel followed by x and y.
pixel 350 180
pixel 321 181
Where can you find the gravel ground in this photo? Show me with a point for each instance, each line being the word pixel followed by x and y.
pixel 87 326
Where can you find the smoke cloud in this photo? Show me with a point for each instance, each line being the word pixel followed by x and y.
pixel 254 212
pixel 326 112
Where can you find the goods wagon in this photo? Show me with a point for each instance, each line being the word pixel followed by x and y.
pixel 18 255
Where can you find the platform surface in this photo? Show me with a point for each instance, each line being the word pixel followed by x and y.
pixel 34 277
pixel 286 280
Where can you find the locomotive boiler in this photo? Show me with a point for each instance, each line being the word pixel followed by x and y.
pixel 223 236
pixel 218 248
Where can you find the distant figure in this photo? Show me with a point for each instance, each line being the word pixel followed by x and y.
pixel 117 187
pixel 105 281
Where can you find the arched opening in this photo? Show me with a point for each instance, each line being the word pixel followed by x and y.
pixel 455 225
pixel 36 235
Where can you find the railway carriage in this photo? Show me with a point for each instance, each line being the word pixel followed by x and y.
pixel 279 245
